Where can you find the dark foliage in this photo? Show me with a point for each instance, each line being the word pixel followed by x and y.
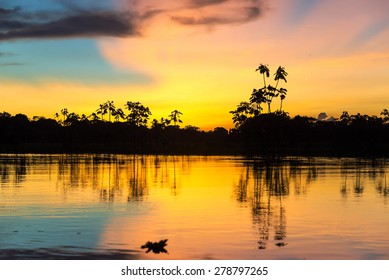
pixel 40 135
pixel 264 134
pixel 280 134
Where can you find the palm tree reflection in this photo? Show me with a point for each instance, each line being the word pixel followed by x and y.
pixel 265 194
pixel 138 179
pixel 355 173
pixel 14 170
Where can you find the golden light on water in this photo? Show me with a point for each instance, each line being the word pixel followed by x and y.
pixel 207 207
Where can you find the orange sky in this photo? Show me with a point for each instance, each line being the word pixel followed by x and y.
pixel 200 59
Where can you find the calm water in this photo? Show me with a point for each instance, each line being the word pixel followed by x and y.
pixel 106 206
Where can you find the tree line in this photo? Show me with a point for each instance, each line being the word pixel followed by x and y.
pixel 257 130
pixel 273 133
pixel 109 129
pixel 137 115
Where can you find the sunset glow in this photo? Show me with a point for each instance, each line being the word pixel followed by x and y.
pixel 195 56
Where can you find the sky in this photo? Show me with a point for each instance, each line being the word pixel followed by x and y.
pixel 196 56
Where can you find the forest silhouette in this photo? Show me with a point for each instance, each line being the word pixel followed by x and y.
pixel 110 129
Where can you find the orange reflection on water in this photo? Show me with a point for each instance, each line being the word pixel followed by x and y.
pixel 207 207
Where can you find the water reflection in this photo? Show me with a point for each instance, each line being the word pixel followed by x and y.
pixel 270 183
pixel 18 172
pixel 355 173
pixel 264 184
pixel 116 202
pixel 260 180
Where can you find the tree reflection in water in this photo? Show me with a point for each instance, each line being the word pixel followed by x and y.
pixel 265 194
pixel 264 184
pixel 15 166
pixel 355 172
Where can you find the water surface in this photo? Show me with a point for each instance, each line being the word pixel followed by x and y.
pixel 107 206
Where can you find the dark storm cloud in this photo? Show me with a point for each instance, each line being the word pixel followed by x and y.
pixel 73 20
pixel 79 25
pixel 70 21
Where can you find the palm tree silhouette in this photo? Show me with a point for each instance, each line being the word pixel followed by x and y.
pixel 280 75
pixel 271 92
pixel 110 108
pixel 139 114
pixel 175 117
pixel 118 114
pixel 268 92
pixel 102 110
pixel 264 70
pixel 56 116
pixel 65 113
pixel 282 92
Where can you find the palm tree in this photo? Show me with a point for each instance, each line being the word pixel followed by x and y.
pixel 264 70
pixel 280 75
pixel 64 112
pixel 56 116
pixel 270 93
pixel 110 108
pixel 274 91
pixel 175 117
pixel 282 92
pixel 118 114
pixel 139 114
pixel 102 110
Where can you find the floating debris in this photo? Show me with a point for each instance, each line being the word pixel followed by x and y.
pixel 156 247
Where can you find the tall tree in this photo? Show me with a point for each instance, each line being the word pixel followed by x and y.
pixel 175 117
pixel 118 114
pixel 102 110
pixel 265 71
pixel 282 92
pixel 138 114
pixel 65 113
pixel 56 116
pixel 280 75
pixel 110 108
pixel 268 92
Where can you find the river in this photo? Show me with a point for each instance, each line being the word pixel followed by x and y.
pixel 207 207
